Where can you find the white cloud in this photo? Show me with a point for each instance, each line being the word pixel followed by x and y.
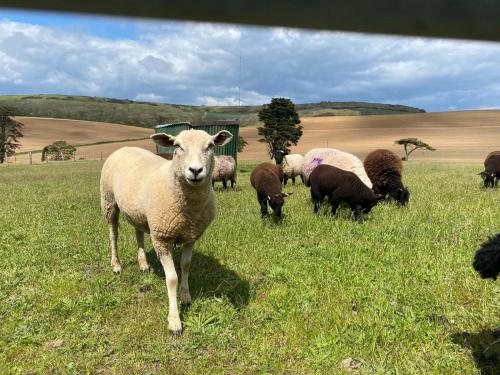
pixel 194 63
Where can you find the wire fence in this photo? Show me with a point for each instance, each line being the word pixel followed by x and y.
pixel 36 157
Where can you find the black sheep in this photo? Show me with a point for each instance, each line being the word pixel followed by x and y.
pixel 266 179
pixel 491 173
pixel 487 259
pixel 385 170
pixel 341 186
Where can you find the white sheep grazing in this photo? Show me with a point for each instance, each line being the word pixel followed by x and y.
pixel 291 164
pixel 225 169
pixel 337 158
pixel 172 200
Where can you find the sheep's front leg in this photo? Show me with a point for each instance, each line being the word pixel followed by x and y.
pixel 263 205
pixel 187 251
pixel 141 255
pixel 164 251
pixel 334 205
pixel 358 213
pixel 113 236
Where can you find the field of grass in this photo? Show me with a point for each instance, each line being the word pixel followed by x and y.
pixel 396 294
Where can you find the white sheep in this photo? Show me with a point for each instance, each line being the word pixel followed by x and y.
pixel 172 200
pixel 225 169
pixel 337 158
pixel 291 164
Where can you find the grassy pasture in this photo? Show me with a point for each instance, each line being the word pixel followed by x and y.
pixel 397 293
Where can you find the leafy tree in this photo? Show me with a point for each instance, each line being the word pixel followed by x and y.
pixel 10 132
pixel 58 150
pixel 241 143
pixel 281 127
pixel 412 144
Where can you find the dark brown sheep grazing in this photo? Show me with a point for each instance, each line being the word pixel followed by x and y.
pixel 341 186
pixel 385 170
pixel 266 179
pixel 491 173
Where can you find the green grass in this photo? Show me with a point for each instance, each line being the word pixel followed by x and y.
pixel 397 293
pixel 146 114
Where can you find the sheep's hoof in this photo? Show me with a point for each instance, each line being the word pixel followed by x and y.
pixel 175 326
pixel 185 298
pixel 117 269
pixel 144 268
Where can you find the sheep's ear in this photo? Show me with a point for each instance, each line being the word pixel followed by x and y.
pixel 221 138
pixel 163 140
pixel 286 194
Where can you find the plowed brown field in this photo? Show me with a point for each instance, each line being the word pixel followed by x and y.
pixel 466 135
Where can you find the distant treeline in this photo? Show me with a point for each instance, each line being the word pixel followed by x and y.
pixel 146 114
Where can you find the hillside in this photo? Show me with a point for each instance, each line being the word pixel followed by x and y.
pixel 466 135
pixel 145 114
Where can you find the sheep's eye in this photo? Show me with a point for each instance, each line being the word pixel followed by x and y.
pixel 178 147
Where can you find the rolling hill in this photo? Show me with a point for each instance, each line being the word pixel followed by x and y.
pixel 145 114
pixel 464 136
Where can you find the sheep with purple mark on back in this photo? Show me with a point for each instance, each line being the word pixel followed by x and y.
pixel 336 158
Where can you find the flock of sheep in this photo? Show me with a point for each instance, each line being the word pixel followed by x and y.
pixel 174 200
pixel 333 174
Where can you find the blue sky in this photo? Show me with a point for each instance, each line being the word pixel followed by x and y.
pixel 199 63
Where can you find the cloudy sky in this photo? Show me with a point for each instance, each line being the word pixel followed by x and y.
pixel 193 63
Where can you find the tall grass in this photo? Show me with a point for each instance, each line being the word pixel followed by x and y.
pixel 396 294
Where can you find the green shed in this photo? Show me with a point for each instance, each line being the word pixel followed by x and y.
pixel 211 127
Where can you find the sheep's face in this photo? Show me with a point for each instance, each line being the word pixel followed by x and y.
pixel 194 153
pixel 402 196
pixel 278 156
pixel 488 179
pixel 276 202
pixel 368 205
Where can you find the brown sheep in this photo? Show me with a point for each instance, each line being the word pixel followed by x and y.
pixel 385 170
pixel 341 186
pixel 491 173
pixel 266 179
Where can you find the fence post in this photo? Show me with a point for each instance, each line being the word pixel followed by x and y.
pixel 101 155
pixel 30 157
pixel 46 157
pixel 74 155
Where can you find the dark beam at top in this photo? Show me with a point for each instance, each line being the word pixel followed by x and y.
pixel 467 19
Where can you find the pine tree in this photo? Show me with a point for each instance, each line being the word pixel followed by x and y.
pixel 281 127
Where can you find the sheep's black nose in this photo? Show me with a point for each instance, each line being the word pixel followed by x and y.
pixel 195 171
